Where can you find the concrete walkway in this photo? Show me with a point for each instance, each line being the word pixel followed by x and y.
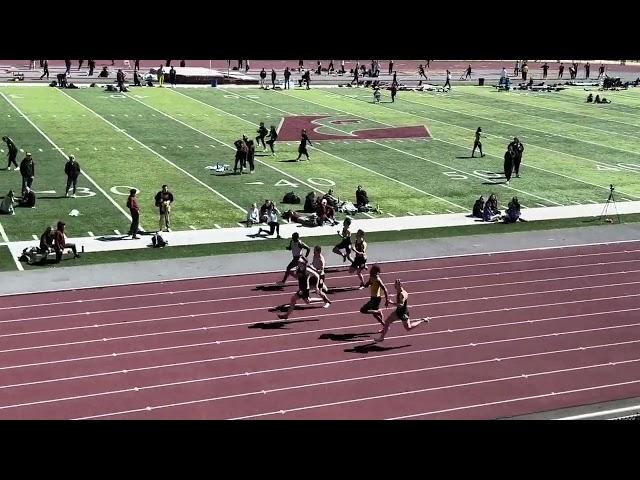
pixel 384 224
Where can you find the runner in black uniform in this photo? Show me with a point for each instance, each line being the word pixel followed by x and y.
pixel 12 152
pixel 302 149
pixel 345 243
pixel 360 261
pixel 262 132
pixel 304 273
pixel 477 144
pixel 401 313
pixel 273 136
pixel 517 148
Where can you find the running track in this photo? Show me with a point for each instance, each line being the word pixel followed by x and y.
pixel 512 334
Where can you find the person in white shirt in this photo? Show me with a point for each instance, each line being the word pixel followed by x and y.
pixel 253 215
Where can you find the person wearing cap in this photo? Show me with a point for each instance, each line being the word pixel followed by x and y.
pixel 72 169
pixel 60 243
pixel 12 152
pixel 28 171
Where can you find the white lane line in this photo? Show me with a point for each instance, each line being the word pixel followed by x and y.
pixel 347 380
pixel 90 234
pixel 298 367
pixel 520 399
pixel 98 187
pixel 286 295
pixel 411 392
pixel 190 330
pixel 216 225
pixel 314 347
pixel 208 187
pixel 602 413
pixel 446 267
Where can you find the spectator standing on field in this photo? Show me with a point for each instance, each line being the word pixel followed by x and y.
pixel 132 205
pixel 164 200
pixel 72 169
pixel 28 171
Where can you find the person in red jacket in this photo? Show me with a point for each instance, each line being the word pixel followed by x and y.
pixel 60 243
pixel 132 205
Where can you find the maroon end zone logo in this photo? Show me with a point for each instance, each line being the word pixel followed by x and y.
pixel 292 126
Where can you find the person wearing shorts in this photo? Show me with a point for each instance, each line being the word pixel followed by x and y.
pixel 304 273
pixel 345 243
pixel 400 313
pixel 296 246
pixel 375 283
pixel 477 143
pixel 318 263
pixel 360 261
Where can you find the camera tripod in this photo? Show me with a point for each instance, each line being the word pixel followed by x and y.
pixel 610 200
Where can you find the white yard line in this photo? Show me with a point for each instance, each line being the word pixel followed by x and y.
pixel 424 158
pixel 208 187
pixel 365 168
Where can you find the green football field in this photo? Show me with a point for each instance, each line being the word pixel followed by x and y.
pixel 153 136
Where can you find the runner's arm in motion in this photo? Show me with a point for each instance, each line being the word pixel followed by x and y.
pixel 386 293
pixel 306 247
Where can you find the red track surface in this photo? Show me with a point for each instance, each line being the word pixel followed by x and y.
pixel 512 334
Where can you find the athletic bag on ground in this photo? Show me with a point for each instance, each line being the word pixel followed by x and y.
pixel 291 197
pixel 158 242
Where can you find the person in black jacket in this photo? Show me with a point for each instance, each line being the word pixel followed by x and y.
pixel 28 171
pixel 251 152
pixel 517 149
pixel 136 79
pixel 12 152
pixel 262 132
pixel 241 155
pixel 120 80
pixel 92 66
pixel 172 76
pixel 362 200
pixel 273 136
pixel 45 67
pixel 273 78
pixel 287 76
pixel 263 76
pixel 28 199
pixel 72 169
pixel 302 149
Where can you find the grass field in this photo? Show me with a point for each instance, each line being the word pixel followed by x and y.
pixel 152 136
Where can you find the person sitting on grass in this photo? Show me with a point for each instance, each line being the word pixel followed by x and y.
pixel 362 200
pixel 253 215
pixel 331 200
pixel 491 212
pixel 27 200
pixel 376 95
pixel 60 243
pixel 6 207
pixel 601 100
pixel 590 98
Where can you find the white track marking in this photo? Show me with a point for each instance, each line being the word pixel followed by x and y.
pixel 520 399
pixel 383 262
pixel 189 330
pixel 447 267
pixel 286 295
pixel 314 347
pixel 98 187
pixel 347 380
pixel 5 239
pixel 197 180
pixel 298 367
pixel 601 413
